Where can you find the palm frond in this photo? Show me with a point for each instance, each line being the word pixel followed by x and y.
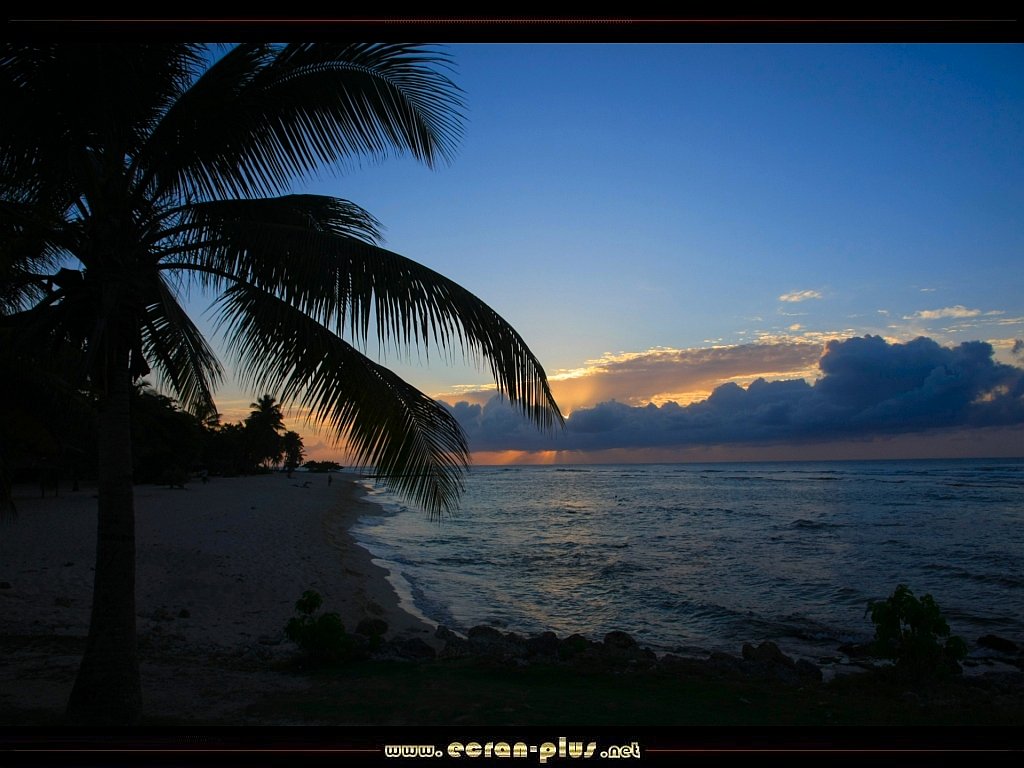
pixel 304 249
pixel 263 114
pixel 77 102
pixel 177 350
pixel 415 444
pixel 28 253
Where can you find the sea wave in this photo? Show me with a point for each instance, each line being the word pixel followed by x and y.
pixel 719 555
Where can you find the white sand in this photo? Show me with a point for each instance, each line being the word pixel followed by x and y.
pixel 220 566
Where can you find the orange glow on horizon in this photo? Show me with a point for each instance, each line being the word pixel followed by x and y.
pixel 521 457
pixel 991 442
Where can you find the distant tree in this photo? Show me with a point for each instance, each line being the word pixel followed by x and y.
pixel 263 427
pixel 167 442
pixel 322 466
pixel 266 413
pixel 291 445
pixel 225 450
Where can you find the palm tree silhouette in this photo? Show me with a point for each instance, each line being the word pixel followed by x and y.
pixel 292 450
pixel 265 424
pixel 130 174
pixel 267 411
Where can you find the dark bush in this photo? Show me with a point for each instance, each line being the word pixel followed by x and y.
pixel 321 637
pixel 915 635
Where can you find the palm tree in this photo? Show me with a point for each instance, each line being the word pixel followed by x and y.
pixel 267 411
pixel 263 427
pixel 293 450
pixel 130 174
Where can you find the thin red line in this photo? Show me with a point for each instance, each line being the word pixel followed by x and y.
pixel 825 750
pixel 176 750
pixel 646 749
pixel 629 20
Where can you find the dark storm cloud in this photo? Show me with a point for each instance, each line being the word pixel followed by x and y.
pixel 868 387
pixel 661 373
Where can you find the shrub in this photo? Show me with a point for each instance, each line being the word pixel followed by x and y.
pixel 321 637
pixel 911 632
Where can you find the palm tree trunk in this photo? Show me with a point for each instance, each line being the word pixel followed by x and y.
pixel 108 688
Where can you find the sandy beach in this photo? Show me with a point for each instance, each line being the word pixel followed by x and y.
pixel 220 566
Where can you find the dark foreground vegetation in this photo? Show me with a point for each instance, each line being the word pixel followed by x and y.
pixel 600 685
pixel 481 693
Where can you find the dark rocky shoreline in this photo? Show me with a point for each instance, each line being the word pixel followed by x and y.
pixel 996 662
pixel 269 681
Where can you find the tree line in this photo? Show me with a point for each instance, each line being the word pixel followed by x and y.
pixel 169 444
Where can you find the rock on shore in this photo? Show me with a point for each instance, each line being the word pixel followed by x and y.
pixel 617 651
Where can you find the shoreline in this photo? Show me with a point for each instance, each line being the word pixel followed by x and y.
pixel 234 554
pixel 376 588
pixel 220 566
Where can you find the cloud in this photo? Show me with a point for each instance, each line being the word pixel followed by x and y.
pixel 958 311
pixel 795 296
pixel 868 388
pixel 662 374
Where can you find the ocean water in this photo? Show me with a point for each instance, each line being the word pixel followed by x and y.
pixel 701 557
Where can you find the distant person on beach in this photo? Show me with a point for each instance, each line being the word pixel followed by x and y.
pixel 330 479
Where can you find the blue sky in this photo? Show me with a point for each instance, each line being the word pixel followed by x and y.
pixel 658 220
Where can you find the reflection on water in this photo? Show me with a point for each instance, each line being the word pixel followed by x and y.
pixel 717 555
